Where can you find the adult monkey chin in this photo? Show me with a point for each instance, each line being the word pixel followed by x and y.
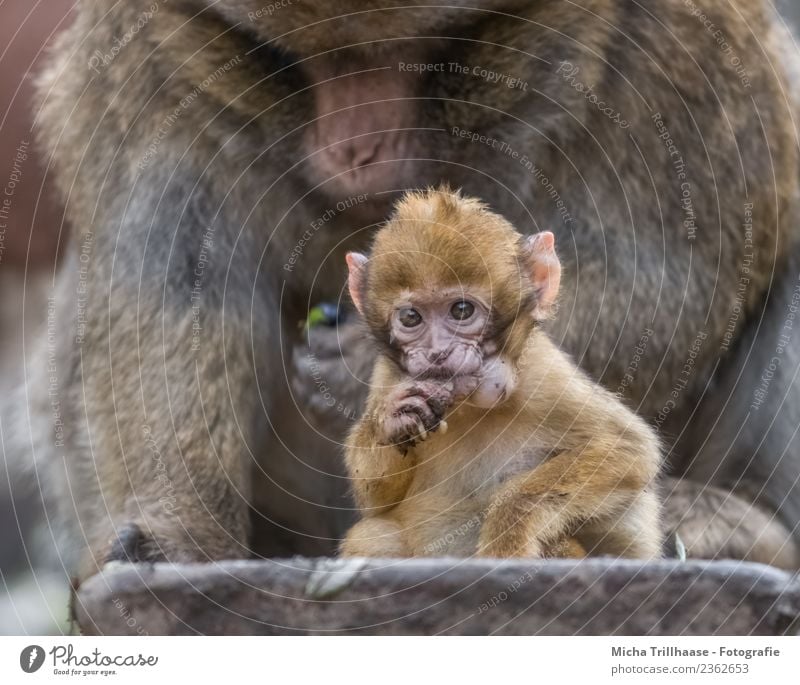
pixel 229 134
pixel 363 61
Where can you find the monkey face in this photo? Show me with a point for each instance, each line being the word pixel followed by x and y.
pixel 452 291
pixel 440 334
pixel 361 138
pixel 361 61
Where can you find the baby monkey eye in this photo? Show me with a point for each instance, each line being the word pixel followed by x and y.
pixel 410 317
pixel 462 310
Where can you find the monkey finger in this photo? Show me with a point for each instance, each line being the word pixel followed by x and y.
pixel 420 407
pixel 403 429
pixel 438 406
pixel 428 418
pixel 439 396
pixel 428 421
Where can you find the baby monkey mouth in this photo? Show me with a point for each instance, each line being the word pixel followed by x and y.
pixel 463 382
pixel 462 385
pixel 492 382
pixel 440 373
pixel 444 373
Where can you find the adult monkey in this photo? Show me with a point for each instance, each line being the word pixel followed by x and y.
pixel 219 159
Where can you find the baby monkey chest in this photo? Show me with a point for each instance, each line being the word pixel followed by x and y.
pixel 476 471
pixel 447 506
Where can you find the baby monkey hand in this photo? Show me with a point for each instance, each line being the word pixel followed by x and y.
pixel 412 410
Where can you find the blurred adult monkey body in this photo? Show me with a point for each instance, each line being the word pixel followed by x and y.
pixel 265 144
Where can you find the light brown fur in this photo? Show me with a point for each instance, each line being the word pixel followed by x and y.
pixel 559 468
pixel 469 245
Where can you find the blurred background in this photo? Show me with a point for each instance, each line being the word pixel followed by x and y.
pixel 791 8
pixel 33 589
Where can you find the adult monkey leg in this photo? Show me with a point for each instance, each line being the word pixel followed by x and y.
pixel 165 329
pixel 747 427
pixel 172 415
pixel 715 523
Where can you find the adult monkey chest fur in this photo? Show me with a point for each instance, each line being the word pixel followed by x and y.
pixel 209 117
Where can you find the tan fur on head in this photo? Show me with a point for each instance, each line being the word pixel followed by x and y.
pixel 438 239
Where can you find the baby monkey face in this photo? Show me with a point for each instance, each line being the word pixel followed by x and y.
pixel 452 292
pixel 440 333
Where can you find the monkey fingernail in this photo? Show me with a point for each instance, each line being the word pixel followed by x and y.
pixel 436 406
pixel 443 427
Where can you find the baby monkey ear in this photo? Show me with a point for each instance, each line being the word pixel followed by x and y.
pixel 357 266
pixel 544 270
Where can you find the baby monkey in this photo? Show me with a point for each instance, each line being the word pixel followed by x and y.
pixel 480 436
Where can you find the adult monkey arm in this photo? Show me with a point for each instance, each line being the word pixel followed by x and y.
pixel 156 369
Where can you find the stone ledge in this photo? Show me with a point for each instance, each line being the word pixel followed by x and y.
pixel 441 596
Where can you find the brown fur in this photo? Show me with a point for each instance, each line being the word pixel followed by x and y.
pixel 559 467
pixel 469 242
pixel 241 425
